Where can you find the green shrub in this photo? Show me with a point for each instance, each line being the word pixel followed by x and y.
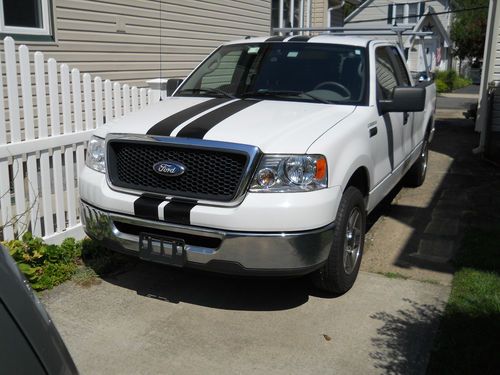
pixel 449 80
pixel 44 265
pixel 441 86
pixel 461 82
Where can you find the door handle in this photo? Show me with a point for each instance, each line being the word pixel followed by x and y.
pixel 373 131
pixel 406 115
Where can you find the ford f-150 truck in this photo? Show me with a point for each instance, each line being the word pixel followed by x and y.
pixel 265 160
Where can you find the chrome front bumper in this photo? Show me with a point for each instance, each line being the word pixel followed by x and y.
pixel 285 253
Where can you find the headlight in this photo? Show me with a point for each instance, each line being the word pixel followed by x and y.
pixel 96 155
pixel 290 173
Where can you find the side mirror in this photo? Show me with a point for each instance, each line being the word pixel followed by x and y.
pixel 404 99
pixel 172 85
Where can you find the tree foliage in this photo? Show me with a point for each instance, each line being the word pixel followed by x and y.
pixel 468 29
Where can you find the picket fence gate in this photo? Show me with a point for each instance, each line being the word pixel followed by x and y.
pixel 43 139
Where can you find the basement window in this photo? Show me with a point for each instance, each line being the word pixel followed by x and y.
pixel 25 17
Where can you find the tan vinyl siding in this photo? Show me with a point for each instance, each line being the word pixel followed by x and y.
pixel 318 14
pixel 120 39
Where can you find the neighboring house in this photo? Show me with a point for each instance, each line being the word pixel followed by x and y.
pixel 433 52
pixel 323 13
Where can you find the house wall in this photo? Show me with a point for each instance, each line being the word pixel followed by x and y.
pixel 318 16
pixel 377 10
pixel 491 72
pixel 120 39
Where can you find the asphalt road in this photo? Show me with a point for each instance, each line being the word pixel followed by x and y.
pixel 460 99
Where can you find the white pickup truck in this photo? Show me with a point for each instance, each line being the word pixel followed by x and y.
pixel 265 161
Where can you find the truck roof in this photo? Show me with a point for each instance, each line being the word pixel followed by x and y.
pixel 358 41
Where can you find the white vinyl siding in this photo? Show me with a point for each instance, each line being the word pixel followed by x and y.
pixel 375 13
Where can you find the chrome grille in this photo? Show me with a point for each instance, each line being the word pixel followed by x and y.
pixel 211 174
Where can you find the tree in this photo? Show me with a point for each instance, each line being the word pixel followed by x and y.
pixel 468 29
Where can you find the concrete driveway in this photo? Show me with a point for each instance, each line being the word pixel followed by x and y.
pixel 157 320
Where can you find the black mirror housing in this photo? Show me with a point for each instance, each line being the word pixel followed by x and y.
pixel 404 99
pixel 172 85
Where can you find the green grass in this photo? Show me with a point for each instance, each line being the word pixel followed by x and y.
pixel 468 341
pixel 394 275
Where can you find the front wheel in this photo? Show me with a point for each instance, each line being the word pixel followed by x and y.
pixel 339 272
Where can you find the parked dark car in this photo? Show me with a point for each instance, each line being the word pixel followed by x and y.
pixel 29 341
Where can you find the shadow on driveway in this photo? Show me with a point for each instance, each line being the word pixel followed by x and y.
pixel 405 337
pixel 213 290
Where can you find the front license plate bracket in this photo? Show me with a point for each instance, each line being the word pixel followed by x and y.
pixel 162 249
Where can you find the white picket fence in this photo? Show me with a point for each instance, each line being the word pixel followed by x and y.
pixel 43 138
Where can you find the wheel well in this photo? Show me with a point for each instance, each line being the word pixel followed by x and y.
pixel 360 180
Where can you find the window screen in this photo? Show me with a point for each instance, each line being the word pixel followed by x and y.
pixel 413 12
pixel 400 12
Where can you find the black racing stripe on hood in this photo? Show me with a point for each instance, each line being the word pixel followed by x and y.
pixel 178 212
pixel 199 127
pixel 146 207
pixel 167 125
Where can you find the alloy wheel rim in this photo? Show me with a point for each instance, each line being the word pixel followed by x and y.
pixel 352 240
pixel 425 157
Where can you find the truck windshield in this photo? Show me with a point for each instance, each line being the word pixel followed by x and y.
pixel 309 72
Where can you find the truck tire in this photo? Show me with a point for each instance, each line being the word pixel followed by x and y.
pixel 415 177
pixel 339 272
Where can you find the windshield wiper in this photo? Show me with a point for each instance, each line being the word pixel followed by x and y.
pixel 209 90
pixel 277 93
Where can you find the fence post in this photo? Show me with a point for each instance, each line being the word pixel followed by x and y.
pixel 41 104
pixel 56 154
pixel 29 129
pixel 98 101
pixel 15 133
pixel 5 202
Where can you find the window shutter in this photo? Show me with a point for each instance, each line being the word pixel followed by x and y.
pixel 389 14
pixel 422 9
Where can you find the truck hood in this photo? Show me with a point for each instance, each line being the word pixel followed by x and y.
pixel 273 126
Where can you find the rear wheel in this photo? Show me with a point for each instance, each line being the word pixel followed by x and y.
pixel 339 272
pixel 416 175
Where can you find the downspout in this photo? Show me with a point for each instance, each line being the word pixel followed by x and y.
pixel 329 13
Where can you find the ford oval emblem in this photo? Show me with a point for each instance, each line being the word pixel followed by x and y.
pixel 169 168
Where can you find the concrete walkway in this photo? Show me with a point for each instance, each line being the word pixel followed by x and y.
pixel 415 232
pixel 158 320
